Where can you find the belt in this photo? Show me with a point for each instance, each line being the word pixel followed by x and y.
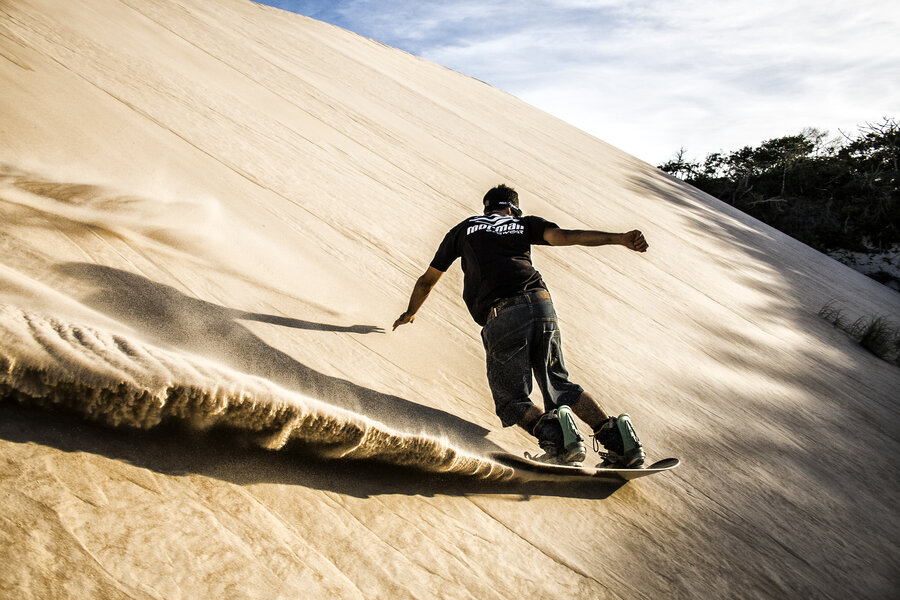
pixel 527 297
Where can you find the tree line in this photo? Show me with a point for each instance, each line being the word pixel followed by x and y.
pixel 829 192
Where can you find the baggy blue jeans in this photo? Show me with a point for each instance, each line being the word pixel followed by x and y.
pixel 522 343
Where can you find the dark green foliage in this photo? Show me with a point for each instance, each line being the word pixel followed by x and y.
pixel 841 193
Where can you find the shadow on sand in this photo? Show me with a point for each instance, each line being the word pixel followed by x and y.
pixel 207 329
pixel 173 318
pixel 176 451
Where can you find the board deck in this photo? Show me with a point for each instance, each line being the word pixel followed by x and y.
pixel 520 463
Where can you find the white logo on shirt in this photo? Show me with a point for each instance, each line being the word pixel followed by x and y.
pixel 497 224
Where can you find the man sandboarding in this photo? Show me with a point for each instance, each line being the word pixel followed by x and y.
pixel 508 298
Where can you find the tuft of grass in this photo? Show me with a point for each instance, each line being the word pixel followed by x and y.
pixel 834 315
pixel 878 335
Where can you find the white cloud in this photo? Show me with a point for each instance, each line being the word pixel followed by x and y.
pixel 651 77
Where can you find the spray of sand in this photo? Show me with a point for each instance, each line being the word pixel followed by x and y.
pixel 121 382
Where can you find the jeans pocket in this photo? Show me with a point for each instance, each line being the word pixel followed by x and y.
pixel 507 348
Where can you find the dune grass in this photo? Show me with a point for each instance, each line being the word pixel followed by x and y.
pixel 878 334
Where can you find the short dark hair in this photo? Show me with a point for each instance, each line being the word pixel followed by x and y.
pixel 501 193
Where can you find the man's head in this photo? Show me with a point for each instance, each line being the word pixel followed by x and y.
pixel 501 197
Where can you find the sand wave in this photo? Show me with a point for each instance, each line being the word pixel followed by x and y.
pixel 160 216
pixel 124 382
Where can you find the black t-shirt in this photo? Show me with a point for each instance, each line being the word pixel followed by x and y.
pixel 496 258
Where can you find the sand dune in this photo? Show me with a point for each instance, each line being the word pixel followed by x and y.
pixel 210 213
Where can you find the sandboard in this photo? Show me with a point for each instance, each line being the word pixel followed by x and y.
pixel 520 463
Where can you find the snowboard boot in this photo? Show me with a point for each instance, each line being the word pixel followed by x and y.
pixel 623 448
pixel 573 452
pixel 558 437
pixel 550 438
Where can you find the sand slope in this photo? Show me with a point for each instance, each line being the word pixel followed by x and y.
pixel 209 215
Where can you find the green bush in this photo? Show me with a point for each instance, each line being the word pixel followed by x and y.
pixel 829 193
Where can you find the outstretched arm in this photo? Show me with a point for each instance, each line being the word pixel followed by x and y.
pixel 420 292
pixel 633 240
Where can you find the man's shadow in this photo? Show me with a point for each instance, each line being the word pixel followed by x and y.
pixel 208 329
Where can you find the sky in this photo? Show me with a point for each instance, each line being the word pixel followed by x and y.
pixel 654 76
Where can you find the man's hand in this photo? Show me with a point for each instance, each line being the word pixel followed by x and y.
pixel 420 292
pixel 634 240
pixel 403 320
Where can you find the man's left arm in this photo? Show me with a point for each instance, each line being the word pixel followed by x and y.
pixel 423 287
pixel 633 240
